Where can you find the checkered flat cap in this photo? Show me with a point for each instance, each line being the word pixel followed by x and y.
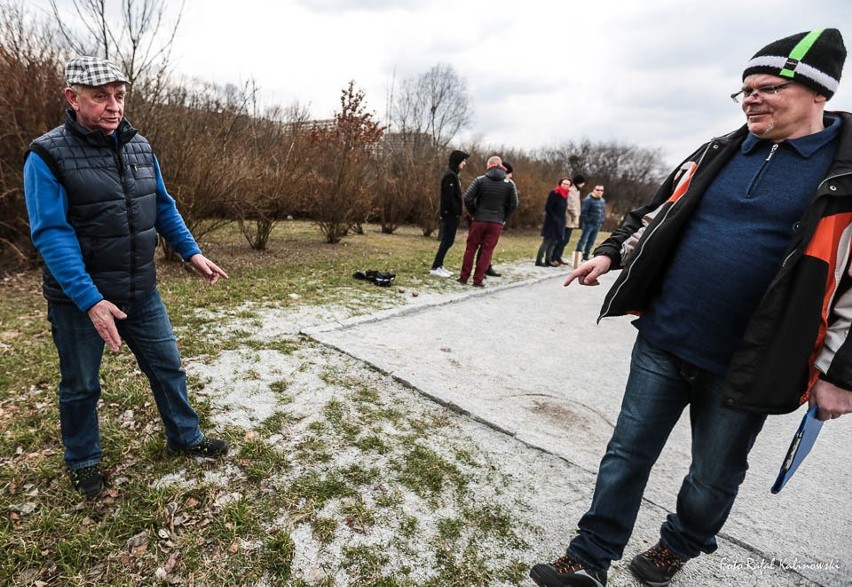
pixel 92 71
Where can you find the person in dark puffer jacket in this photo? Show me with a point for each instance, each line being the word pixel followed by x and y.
pixel 592 216
pixel 96 202
pixel 490 199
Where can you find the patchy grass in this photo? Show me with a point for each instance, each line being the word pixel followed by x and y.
pixel 350 479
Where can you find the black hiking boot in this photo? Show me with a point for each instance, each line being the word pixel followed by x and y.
pixel 657 565
pixel 87 480
pixel 565 572
pixel 209 448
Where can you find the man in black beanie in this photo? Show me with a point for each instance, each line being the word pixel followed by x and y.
pixel 451 209
pixel 739 269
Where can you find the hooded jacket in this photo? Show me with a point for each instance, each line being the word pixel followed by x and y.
pixel 491 197
pixel 451 194
pixel 798 332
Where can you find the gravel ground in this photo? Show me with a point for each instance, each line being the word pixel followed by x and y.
pixel 524 382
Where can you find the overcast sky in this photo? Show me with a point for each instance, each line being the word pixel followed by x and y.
pixel 656 73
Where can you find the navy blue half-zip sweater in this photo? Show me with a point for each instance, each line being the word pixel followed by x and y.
pixel 733 246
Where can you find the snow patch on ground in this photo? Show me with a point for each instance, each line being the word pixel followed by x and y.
pixel 247 386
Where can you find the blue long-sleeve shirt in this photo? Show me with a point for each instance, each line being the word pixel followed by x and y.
pixel 56 241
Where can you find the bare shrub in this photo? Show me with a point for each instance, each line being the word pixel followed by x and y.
pixel 199 136
pixel 342 175
pixel 278 170
pixel 406 189
pixel 31 70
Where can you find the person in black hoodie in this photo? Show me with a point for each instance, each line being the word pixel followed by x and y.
pixel 451 210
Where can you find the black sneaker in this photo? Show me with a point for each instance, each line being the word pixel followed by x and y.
pixel 87 480
pixel 209 448
pixel 491 273
pixel 565 572
pixel 657 565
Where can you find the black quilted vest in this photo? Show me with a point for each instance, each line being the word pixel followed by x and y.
pixel 112 206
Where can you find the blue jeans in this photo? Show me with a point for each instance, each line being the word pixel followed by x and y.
pixel 587 238
pixel 148 334
pixel 659 387
pixel 560 248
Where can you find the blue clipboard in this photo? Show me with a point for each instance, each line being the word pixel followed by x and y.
pixel 801 445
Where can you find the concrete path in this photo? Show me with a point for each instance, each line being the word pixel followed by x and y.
pixel 552 378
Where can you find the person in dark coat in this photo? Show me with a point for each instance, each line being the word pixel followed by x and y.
pixel 553 227
pixel 491 272
pixel 451 210
pixel 592 216
pixel 490 199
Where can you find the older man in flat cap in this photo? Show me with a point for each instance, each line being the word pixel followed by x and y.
pixel 96 201
pixel 739 269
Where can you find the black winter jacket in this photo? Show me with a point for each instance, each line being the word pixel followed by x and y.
pixel 112 206
pixel 798 332
pixel 553 226
pixel 491 197
pixel 451 195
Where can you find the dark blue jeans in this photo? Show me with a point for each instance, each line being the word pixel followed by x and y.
pixel 148 334
pixel 659 387
pixel 560 248
pixel 449 227
pixel 587 238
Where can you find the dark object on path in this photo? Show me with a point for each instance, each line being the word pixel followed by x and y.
pixel 381 278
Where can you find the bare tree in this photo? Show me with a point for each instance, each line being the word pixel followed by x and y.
pixel 630 173
pixel 434 104
pixel 426 114
pixel 342 176
pixel 30 67
pixel 278 169
pixel 139 39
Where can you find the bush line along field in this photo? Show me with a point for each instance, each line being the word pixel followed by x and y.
pixel 226 156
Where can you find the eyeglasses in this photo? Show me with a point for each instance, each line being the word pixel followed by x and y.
pixel 765 90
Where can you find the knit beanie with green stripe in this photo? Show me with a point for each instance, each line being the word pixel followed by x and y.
pixel 813 59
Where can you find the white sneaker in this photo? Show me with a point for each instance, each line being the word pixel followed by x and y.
pixel 440 272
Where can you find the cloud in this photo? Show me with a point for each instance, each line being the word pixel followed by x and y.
pixel 656 73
